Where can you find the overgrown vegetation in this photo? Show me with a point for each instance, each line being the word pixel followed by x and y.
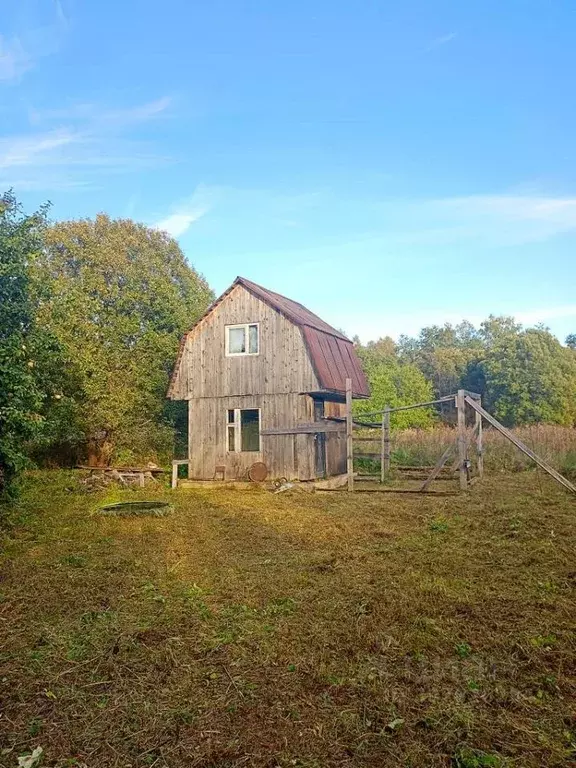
pixel 21 390
pixel 121 297
pixel 250 629
pixel 525 376
pixel 91 315
pixel 422 447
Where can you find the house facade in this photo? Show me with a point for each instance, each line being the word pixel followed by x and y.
pixel 257 360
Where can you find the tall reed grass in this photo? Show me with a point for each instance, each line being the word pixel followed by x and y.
pixel 421 447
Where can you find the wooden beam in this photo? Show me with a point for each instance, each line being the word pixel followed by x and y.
pixel 385 465
pixel 379 489
pixel 349 441
pixel 462 447
pixel 446 399
pixel 469 438
pixel 305 429
pixel 152 470
pixel 521 446
pixel 479 443
pixel 175 464
pixel 437 468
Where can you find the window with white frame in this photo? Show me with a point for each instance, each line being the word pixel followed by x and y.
pixel 242 339
pixel 243 430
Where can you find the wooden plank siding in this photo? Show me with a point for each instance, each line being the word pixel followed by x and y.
pixel 289 456
pixel 282 366
pixel 335 442
pixel 272 380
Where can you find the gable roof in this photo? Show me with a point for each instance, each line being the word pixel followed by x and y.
pixel 295 312
pixel 331 353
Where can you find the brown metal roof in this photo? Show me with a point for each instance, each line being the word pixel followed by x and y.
pixel 334 361
pixel 332 354
pixel 294 311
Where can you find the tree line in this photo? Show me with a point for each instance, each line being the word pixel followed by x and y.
pixel 92 313
pixel 91 316
pixel 524 375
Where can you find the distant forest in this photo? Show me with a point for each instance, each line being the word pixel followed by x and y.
pixel 91 314
pixel 525 376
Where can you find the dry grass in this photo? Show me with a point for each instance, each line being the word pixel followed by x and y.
pixel 556 445
pixel 250 629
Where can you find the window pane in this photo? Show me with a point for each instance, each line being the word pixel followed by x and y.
pixel 253 339
pixel 250 429
pixel 231 416
pixel 236 341
pixel 231 433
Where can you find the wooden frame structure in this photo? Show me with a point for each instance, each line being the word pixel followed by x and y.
pixel 464 440
pixel 462 463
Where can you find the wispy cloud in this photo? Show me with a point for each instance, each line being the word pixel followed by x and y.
pixel 496 220
pixel 25 47
pixel 14 60
pixel 440 41
pixel 187 212
pixel 371 325
pixel 97 115
pixel 74 146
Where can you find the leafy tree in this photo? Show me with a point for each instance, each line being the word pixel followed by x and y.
pixel 571 341
pixel 443 354
pixel 496 327
pixel 530 378
pixel 394 383
pixel 121 296
pixel 20 388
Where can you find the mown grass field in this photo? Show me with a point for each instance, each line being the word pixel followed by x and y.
pixel 311 630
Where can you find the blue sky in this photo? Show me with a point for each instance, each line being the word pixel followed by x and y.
pixel 389 164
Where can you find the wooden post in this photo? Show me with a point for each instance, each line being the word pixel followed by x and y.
pixel 385 464
pixel 174 474
pixel 520 445
pixel 349 441
pixel 462 448
pixel 479 443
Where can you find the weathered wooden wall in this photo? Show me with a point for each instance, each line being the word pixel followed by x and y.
pixel 335 442
pixel 282 366
pixel 290 456
pixel 273 381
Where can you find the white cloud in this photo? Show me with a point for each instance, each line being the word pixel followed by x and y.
pixel 535 316
pixel 32 150
pixel 371 325
pixel 439 41
pixel 21 51
pixel 489 220
pixel 90 141
pixel 14 60
pixel 187 212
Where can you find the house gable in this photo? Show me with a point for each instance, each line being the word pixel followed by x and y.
pixel 282 364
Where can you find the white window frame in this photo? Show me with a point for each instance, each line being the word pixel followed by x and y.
pixel 246 327
pixel 237 424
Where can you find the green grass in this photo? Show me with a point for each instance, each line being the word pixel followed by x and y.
pixel 311 630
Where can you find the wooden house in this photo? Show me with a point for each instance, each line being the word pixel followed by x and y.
pixel 257 360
